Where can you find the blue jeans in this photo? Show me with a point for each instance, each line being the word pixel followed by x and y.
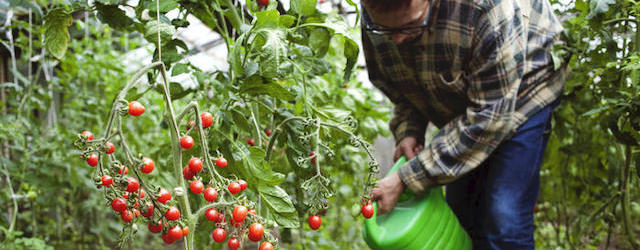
pixel 494 202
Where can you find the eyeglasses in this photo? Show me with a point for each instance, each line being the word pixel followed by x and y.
pixel 372 28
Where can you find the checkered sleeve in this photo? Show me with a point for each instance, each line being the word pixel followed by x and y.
pixel 496 71
pixel 405 122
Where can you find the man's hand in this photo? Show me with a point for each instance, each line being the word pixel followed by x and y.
pixel 387 192
pixel 408 147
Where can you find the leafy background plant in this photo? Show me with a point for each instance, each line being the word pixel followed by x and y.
pixel 66 83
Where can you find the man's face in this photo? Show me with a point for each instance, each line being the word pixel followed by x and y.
pixel 412 15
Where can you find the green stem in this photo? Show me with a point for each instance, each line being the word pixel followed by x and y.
pixel 564 205
pixel 619 20
pixel 624 188
pixel 176 150
pixel 255 123
pixel 14 214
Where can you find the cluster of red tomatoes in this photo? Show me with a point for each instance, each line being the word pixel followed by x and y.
pixel 127 196
pixel 240 212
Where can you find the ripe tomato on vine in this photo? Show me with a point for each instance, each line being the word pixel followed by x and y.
pixel 136 108
pixel 207 119
pixel 315 222
pixel 147 165
pixel 186 142
pixel 196 186
pixel 234 187
pixel 92 160
pixel 219 235
pixel 221 162
pixel 210 194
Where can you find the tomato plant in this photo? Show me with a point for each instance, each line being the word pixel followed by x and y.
pixel 278 70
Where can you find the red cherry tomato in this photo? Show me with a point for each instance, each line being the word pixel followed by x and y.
pixel 136 212
pixel 313 160
pixel 148 165
pixel 255 231
pixel 266 246
pixel 92 160
pixel 164 196
pixel 210 194
pixel 219 235
pixel 234 187
pixel 221 162
pixel 186 173
pixel 239 213
pixel 107 181
pixel 250 141
pixel 119 205
pixel 263 2
pixel 126 215
pixel 253 211
pixel 268 132
pixel 175 232
pixel 142 193
pixel 167 239
pixel 132 185
pixel 155 228
pixel 207 119
pixel 87 135
pixel 186 142
pixel 195 165
pixel 172 213
pixel 185 231
pixel 211 214
pixel 196 186
pixel 243 184
pixel 315 222
pixel 367 210
pixel 136 108
pixel 233 243
pixel 110 148
pixel 149 211
pixel 190 124
pixel 220 218
pixel 126 170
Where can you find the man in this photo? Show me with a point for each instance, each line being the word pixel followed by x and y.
pixel 482 72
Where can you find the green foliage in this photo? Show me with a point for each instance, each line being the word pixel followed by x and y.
pixel 57 35
pixel 586 181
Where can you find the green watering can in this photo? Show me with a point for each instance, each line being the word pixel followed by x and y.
pixel 416 222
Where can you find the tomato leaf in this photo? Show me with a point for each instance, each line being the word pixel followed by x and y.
pixel 280 206
pixel 287 21
pixel 114 16
pixel 340 30
pixel 598 7
pixel 319 41
pixel 56 32
pixel 179 68
pixel 239 119
pixel 152 28
pixel 165 6
pixel 304 7
pixel 269 88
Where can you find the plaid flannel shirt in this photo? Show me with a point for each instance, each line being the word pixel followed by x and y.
pixel 481 68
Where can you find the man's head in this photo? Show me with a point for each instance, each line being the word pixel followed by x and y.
pixel 401 20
